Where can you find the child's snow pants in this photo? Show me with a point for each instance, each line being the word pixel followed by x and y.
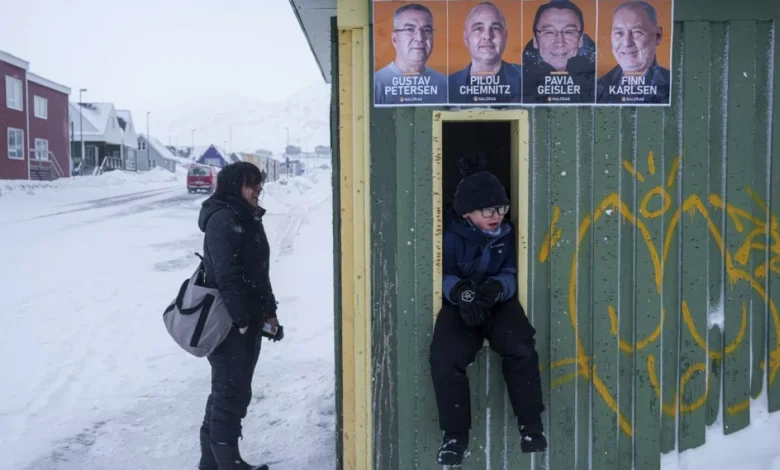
pixel 456 345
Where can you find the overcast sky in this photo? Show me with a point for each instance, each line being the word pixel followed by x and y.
pixel 162 54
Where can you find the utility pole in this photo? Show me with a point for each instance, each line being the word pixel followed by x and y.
pixel 286 153
pixel 192 154
pixel 230 131
pixel 148 141
pixel 81 127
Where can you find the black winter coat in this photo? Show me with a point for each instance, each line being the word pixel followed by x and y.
pixel 237 258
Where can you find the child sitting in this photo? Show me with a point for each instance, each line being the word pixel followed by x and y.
pixel 480 284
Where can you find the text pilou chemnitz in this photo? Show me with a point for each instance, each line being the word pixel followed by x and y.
pixel 484 85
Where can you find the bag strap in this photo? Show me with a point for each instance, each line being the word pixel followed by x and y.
pixel 206 304
pixel 207 299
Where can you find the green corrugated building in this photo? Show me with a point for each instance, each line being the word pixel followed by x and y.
pixel 648 238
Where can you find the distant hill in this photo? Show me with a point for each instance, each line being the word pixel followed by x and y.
pixel 254 124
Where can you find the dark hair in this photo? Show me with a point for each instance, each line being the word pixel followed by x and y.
pixel 411 7
pixel 562 5
pixel 233 177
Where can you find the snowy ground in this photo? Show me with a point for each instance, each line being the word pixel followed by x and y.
pixel 91 380
pixel 752 448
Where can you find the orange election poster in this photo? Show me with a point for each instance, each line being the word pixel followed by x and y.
pixel 410 53
pixel 635 44
pixel 484 51
pixel 522 52
pixel 559 52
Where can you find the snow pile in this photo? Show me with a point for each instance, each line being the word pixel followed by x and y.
pixel 107 180
pixel 306 190
pixel 753 448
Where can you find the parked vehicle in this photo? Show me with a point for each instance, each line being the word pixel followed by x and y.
pixel 201 178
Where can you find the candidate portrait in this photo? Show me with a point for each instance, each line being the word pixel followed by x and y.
pixel 408 78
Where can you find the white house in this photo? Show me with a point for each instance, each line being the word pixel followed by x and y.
pixel 152 154
pixel 129 140
pixel 95 129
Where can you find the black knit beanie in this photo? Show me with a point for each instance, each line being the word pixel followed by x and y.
pixel 479 188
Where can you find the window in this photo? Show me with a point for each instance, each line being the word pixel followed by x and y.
pixel 41 149
pixel 141 145
pixel 41 107
pixel 15 144
pixel 13 93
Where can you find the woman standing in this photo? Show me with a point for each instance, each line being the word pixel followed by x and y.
pixel 236 259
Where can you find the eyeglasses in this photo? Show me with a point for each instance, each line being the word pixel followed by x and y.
pixel 412 30
pixel 567 34
pixel 491 211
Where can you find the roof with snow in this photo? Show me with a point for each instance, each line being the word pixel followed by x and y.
pixel 48 83
pixel 213 156
pixel 202 149
pixel 95 114
pixel 162 150
pixel 13 60
pixel 125 116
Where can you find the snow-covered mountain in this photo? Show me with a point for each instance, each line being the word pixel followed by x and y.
pixel 253 124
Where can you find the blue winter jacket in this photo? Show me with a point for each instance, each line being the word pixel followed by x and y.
pixel 471 253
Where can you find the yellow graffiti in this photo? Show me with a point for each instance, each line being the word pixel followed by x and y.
pixel 763 236
pixel 630 168
pixel 613 319
pixel 552 236
pixel 703 344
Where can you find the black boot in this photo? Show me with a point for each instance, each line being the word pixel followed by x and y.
pixel 454 448
pixel 207 460
pixel 229 458
pixel 532 438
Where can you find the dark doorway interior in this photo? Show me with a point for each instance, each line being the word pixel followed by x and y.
pixel 494 138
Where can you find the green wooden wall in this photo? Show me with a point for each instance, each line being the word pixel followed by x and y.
pixel 655 257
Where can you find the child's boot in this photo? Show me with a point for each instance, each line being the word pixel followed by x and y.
pixel 454 448
pixel 532 438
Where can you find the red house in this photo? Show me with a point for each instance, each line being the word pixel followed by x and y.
pixel 34 141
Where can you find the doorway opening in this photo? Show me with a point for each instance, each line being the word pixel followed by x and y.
pixel 503 137
pixel 459 138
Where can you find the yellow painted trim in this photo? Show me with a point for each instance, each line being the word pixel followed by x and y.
pixel 347 254
pixel 352 14
pixel 520 186
pixel 355 246
pixel 367 399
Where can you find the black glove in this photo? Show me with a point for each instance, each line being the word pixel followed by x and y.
pixel 489 293
pixel 273 337
pixel 464 294
pixel 279 334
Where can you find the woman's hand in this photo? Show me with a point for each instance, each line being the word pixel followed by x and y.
pixel 274 323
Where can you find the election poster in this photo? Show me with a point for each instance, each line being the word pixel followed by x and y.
pixel 503 53
pixel 559 56
pixel 484 52
pixel 410 53
pixel 635 46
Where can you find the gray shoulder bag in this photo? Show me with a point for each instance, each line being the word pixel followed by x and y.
pixel 197 319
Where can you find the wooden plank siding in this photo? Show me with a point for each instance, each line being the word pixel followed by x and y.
pixel 652 258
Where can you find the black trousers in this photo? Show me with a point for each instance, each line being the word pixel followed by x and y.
pixel 456 345
pixel 232 368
